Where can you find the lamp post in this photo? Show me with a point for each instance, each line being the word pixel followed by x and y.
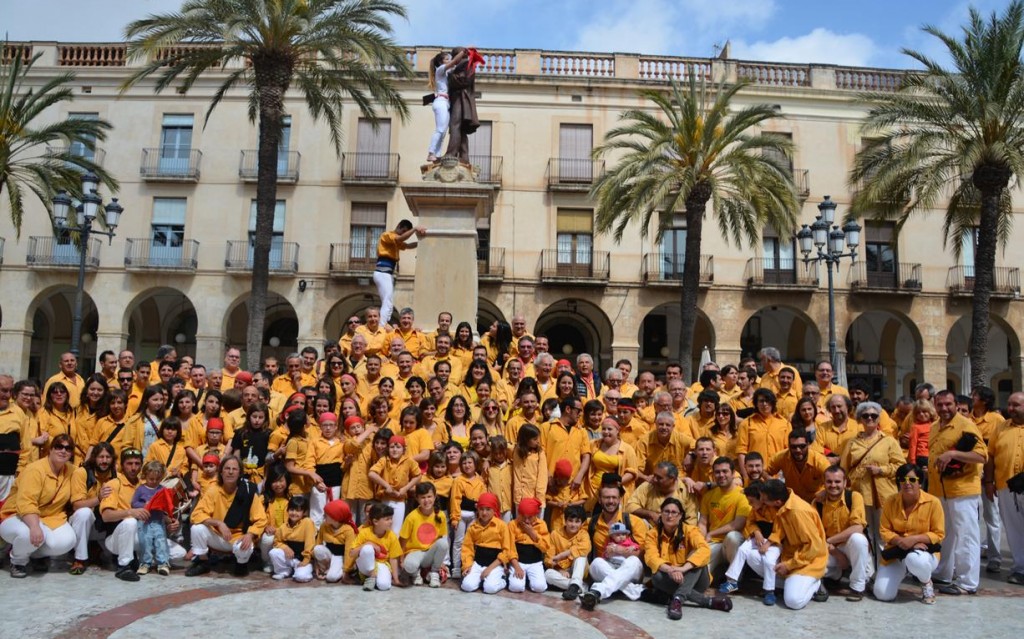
pixel 829 246
pixel 86 213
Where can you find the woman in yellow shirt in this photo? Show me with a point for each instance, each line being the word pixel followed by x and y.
pixel 418 441
pixel 478 372
pixel 58 418
pixel 456 421
pixel 723 431
pixel 611 455
pixel 91 409
pixel 912 527
pixel 678 557
pixel 113 427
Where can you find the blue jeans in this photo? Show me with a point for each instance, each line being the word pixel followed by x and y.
pixel 153 540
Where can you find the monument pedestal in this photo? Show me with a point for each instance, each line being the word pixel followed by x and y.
pixel 446 266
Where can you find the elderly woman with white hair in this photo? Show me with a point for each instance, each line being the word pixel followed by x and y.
pixel 870 460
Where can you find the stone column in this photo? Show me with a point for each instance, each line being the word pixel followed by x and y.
pixel 934 369
pixel 15 345
pixel 626 351
pixel 110 342
pixel 448 204
pixel 210 351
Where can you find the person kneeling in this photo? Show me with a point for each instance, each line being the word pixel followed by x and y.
pixel 336 533
pixel 678 555
pixel 376 549
pixel 293 543
pixel 486 548
pixel 567 554
pixel 530 541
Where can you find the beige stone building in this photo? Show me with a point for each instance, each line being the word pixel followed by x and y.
pixel 177 271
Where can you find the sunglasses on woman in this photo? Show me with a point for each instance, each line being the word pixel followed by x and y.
pixel 909 480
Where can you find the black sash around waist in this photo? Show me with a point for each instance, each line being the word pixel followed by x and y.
pixel 442 503
pixel 297 547
pixel 468 504
pixel 330 473
pixel 765 527
pixel 338 550
pixel 485 556
pixel 529 554
pixel 10 449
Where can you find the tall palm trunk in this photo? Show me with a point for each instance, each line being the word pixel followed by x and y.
pixel 696 204
pixel 990 179
pixel 272 79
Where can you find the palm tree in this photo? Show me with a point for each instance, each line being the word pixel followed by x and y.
pixel 329 50
pixel 42 157
pixel 693 150
pixel 955 135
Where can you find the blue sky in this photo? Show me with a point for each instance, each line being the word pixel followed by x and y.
pixel 856 32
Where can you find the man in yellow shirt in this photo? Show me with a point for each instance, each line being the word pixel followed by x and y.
pixel 833 434
pixel 823 375
pixel 986 418
pixel 611 576
pixel 663 443
pixel 562 439
pixel 232 365
pixel 11 420
pixel 798 530
pixel 803 469
pixel 414 339
pixel 375 334
pixel 293 379
pixel 844 518
pixel 954 476
pixel 1006 461
pixel 390 244
pixel 787 397
pixel 442 353
pixel 444 327
pixel 771 362
pixel 108 367
pixel 745 381
pixel 345 341
pixel 518 325
pixel 723 514
pixel 69 375
pixel 646 500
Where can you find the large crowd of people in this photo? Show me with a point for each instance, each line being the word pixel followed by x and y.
pixel 398 457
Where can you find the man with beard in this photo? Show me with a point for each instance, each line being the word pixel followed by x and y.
pixel 804 469
pixel 88 488
pixel 610 575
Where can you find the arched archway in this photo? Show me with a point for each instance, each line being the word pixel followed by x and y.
pixel 280 327
pixel 161 316
pixel 51 315
pixel 1003 349
pixel 884 349
pixel 658 339
pixel 346 307
pixel 788 329
pixel 575 326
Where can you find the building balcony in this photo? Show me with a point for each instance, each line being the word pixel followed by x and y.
pixel 663 269
pixel 48 252
pixel 370 169
pixel 960 282
pixel 98 155
pixel 785 274
pixel 141 254
pixel 171 164
pixel 284 257
pixel 349 261
pixel 574 267
pixel 899 278
pixel 287 166
pixel 490 264
pixel 488 168
pixel 573 174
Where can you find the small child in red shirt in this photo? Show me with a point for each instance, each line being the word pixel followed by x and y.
pixel 924 417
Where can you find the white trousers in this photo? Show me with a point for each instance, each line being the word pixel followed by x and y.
pixel 961 549
pixel 1011 508
pixel 335 563
pixel 724 551
pixel 576 573
pixel 441 118
pixel 82 521
pixel 367 563
pixel 385 283
pixel 204 540
pixel 266 545
pixel 123 540
pixel 493 583
pixel 465 519
pixel 797 591
pixel 763 565
pixel 56 541
pixel 993 529
pixel 859 557
pixel 534 573
pixel 432 558
pixel 290 567
pixel 399 518
pixel 873 531
pixel 919 563
pixel 6 482
pixel 608 579
pixel 317 501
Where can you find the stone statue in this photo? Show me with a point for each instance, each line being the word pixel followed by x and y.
pixel 461 94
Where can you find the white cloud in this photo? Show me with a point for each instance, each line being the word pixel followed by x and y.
pixel 820 45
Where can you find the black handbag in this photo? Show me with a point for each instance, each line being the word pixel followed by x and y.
pixel 1016 483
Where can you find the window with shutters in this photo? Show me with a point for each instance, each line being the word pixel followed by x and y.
pixel 575 142
pixel 778 257
pixel 78 148
pixel 880 254
pixel 575 242
pixel 369 220
pixel 373 148
pixel 176 144
pixel 673 250
pixel 167 230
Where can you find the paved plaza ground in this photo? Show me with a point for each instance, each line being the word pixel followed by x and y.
pixel 97 605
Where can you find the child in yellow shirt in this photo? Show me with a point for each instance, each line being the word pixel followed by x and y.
pixel 530 541
pixel 486 548
pixel 424 538
pixel 499 475
pixel 437 474
pixel 275 502
pixel 376 549
pixel 337 533
pixel 328 450
pixel 466 488
pixel 292 553
pixel 208 477
pixel 529 467
pixel 561 494
pixel 567 554
pixel 394 476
